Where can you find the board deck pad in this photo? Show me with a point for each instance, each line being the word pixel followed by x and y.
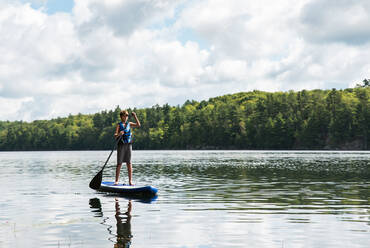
pixel 134 190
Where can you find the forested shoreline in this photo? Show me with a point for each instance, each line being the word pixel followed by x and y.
pixel 307 119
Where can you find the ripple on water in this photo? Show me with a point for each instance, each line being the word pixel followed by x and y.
pixel 242 198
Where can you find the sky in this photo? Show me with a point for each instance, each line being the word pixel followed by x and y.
pixel 85 56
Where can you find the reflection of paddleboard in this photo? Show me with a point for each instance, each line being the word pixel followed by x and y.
pixel 144 191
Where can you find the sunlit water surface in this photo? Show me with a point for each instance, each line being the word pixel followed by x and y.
pixel 206 199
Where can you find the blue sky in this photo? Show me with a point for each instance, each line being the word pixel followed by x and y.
pixel 52 6
pixel 66 57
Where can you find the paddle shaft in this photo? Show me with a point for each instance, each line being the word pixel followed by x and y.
pixel 96 181
pixel 116 143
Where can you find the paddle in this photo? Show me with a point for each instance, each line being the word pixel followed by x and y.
pixel 96 181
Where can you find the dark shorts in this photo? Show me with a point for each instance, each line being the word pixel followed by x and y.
pixel 124 153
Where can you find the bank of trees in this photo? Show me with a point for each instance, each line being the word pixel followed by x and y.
pixel 316 119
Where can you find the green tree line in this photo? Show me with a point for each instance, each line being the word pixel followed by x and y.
pixel 307 119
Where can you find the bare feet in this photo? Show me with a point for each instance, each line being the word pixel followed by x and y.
pixel 115 184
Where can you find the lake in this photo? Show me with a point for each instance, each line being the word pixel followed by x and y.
pixel 206 199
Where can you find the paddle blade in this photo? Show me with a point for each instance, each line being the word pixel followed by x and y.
pixel 96 181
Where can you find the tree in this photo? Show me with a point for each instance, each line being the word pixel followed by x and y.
pixel 247 120
pixel 365 83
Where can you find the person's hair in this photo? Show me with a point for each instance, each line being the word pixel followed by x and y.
pixel 123 112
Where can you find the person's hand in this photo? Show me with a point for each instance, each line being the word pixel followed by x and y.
pixel 133 114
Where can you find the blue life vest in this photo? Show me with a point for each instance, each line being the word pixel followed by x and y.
pixel 126 138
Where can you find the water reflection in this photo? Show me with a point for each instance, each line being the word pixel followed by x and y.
pixel 123 226
pixel 96 206
pixel 276 183
pixel 218 198
pixel 123 236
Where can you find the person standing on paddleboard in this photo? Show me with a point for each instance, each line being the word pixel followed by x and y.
pixel 124 147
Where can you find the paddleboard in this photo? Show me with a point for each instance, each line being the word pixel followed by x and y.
pixel 144 191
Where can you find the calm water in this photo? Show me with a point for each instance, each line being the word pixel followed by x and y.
pixel 207 199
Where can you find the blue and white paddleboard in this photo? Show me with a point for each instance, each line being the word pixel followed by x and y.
pixel 144 191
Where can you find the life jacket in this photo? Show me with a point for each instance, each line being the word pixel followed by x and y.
pixel 127 137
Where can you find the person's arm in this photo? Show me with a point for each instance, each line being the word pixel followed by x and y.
pixel 137 124
pixel 116 134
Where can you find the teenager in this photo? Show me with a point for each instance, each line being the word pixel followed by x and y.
pixel 124 147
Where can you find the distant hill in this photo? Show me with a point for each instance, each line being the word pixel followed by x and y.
pixel 308 119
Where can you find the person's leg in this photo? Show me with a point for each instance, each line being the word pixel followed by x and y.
pixel 118 170
pixel 120 154
pixel 129 172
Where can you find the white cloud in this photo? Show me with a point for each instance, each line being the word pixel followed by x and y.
pixel 122 16
pixel 137 53
pixel 342 21
pixel 33 45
